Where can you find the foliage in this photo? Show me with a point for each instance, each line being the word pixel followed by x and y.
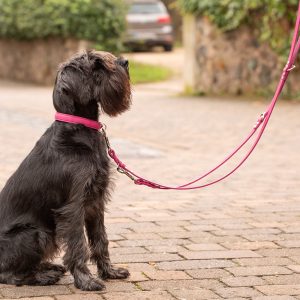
pixel 100 21
pixel 270 19
pixel 143 73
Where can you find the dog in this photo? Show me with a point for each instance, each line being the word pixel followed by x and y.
pixel 56 198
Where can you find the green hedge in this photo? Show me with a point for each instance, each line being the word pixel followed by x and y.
pixel 100 21
pixel 271 20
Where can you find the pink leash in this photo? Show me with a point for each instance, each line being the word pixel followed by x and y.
pixel 261 123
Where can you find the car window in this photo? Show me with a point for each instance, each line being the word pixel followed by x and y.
pixel 146 8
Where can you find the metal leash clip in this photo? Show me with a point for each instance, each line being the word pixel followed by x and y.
pixel 103 130
pixel 124 172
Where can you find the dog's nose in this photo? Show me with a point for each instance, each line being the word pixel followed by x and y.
pixel 126 63
pixel 123 62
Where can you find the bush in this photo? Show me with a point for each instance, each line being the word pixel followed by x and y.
pixel 270 19
pixel 100 21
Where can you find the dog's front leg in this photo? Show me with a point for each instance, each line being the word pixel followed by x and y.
pixel 70 228
pixel 99 244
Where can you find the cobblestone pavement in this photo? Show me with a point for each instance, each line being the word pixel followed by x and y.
pixel 237 240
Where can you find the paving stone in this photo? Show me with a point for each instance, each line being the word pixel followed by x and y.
pixel 289 244
pixel 295 268
pixel 146 242
pixel 141 236
pixel 127 250
pixel 136 276
pixel 244 232
pixel 111 286
pixel 35 298
pixel 218 254
pixel 208 273
pixel 166 275
pixel 217 239
pixel 138 267
pixel 264 261
pixel 249 245
pixel 274 298
pixel 112 220
pixel 237 292
pixel 289 290
pixel 203 247
pixel 165 249
pixel 259 270
pixel 129 258
pixel 158 229
pixel 295 259
pixel 261 237
pixel 80 297
pixel 195 264
pixel 283 279
pixel 203 227
pixel 243 281
pixel 176 284
pixel 284 252
pixel 31 291
pixel 194 294
pixel 140 295
pixel 185 235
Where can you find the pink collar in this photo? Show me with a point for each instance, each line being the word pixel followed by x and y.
pixel 78 120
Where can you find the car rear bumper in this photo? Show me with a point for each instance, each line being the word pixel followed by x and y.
pixel 149 37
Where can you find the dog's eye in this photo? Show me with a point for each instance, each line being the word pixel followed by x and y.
pixel 65 91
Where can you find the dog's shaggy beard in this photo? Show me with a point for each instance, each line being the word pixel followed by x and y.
pixel 61 187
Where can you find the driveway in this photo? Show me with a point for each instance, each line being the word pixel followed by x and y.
pixel 239 239
pixel 173 60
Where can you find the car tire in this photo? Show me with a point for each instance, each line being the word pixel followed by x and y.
pixel 168 48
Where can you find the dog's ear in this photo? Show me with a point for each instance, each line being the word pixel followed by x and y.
pixel 72 86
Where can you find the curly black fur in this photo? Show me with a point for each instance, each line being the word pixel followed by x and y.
pixel 61 187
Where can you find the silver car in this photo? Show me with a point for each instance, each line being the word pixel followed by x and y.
pixel 149 24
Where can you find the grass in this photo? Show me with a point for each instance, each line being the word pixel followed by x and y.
pixel 145 73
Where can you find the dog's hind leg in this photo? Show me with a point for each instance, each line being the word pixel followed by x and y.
pixel 23 247
pixel 39 277
pixel 70 228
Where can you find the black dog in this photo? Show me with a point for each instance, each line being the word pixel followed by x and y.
pixel 60 190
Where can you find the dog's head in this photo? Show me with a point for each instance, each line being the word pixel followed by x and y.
pixel 92 81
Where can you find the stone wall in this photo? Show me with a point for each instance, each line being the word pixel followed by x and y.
pixel 35 61
pixel 231 63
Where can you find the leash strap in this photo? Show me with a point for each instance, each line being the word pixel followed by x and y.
pixel 261 123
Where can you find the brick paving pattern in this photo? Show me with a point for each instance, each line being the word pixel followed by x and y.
pixel 237 240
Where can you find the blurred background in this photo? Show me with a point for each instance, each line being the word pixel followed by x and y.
pixel 214 47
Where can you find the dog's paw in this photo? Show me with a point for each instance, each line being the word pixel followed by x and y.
pixel 115 273
pixel 59 268
pixel 91 284
pixel 54 267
